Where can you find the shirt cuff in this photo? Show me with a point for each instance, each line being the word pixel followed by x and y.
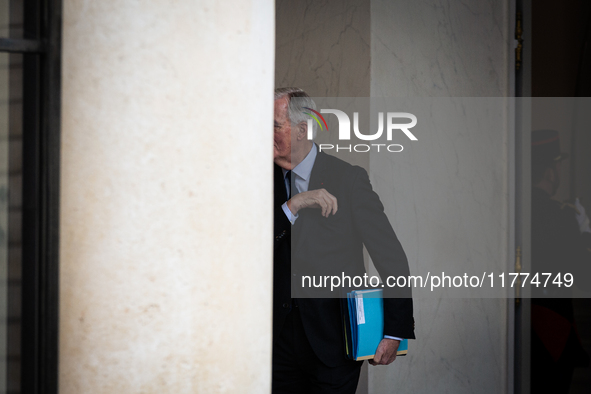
pixel 288 213
pixel 390 337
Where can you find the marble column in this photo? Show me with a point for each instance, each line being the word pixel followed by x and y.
pixel 166 187
pixel 324 47
pixel 448 195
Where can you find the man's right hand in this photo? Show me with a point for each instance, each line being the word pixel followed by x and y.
pixel 319 198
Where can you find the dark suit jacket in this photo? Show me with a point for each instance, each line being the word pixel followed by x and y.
pixel 330 246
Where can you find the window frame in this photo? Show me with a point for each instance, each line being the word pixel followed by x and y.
pixel 41 49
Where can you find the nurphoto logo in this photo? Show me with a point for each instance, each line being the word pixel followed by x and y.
pixel 345 129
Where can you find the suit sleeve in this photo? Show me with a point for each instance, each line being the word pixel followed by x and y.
pixel 386 252
pixel 282 224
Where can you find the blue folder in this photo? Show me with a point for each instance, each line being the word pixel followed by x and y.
pixel 363 319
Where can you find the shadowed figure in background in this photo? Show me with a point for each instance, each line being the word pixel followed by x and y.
pixel 561 239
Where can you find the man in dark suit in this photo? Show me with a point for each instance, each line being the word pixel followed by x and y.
pixel 325 211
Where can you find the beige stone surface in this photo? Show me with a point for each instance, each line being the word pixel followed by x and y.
pixel 324 47
pixel 448 193
pixel 166 212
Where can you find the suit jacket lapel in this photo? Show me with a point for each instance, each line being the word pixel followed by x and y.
pixel 282 227
pixel 279 185
pixel 317 175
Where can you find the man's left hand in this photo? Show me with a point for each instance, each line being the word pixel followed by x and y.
pixel 386 352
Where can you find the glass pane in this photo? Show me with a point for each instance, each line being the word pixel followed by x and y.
pixel 11 18
pixel 10 220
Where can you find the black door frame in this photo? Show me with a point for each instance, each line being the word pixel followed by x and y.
pixel 522 302
pixel 41 49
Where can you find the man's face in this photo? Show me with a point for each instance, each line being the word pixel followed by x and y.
pixel 282 139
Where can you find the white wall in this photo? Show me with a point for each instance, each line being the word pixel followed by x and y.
pixel 449 192
pixel 166 210
pixel 324 47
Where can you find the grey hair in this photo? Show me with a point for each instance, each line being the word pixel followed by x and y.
pixel 296 110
